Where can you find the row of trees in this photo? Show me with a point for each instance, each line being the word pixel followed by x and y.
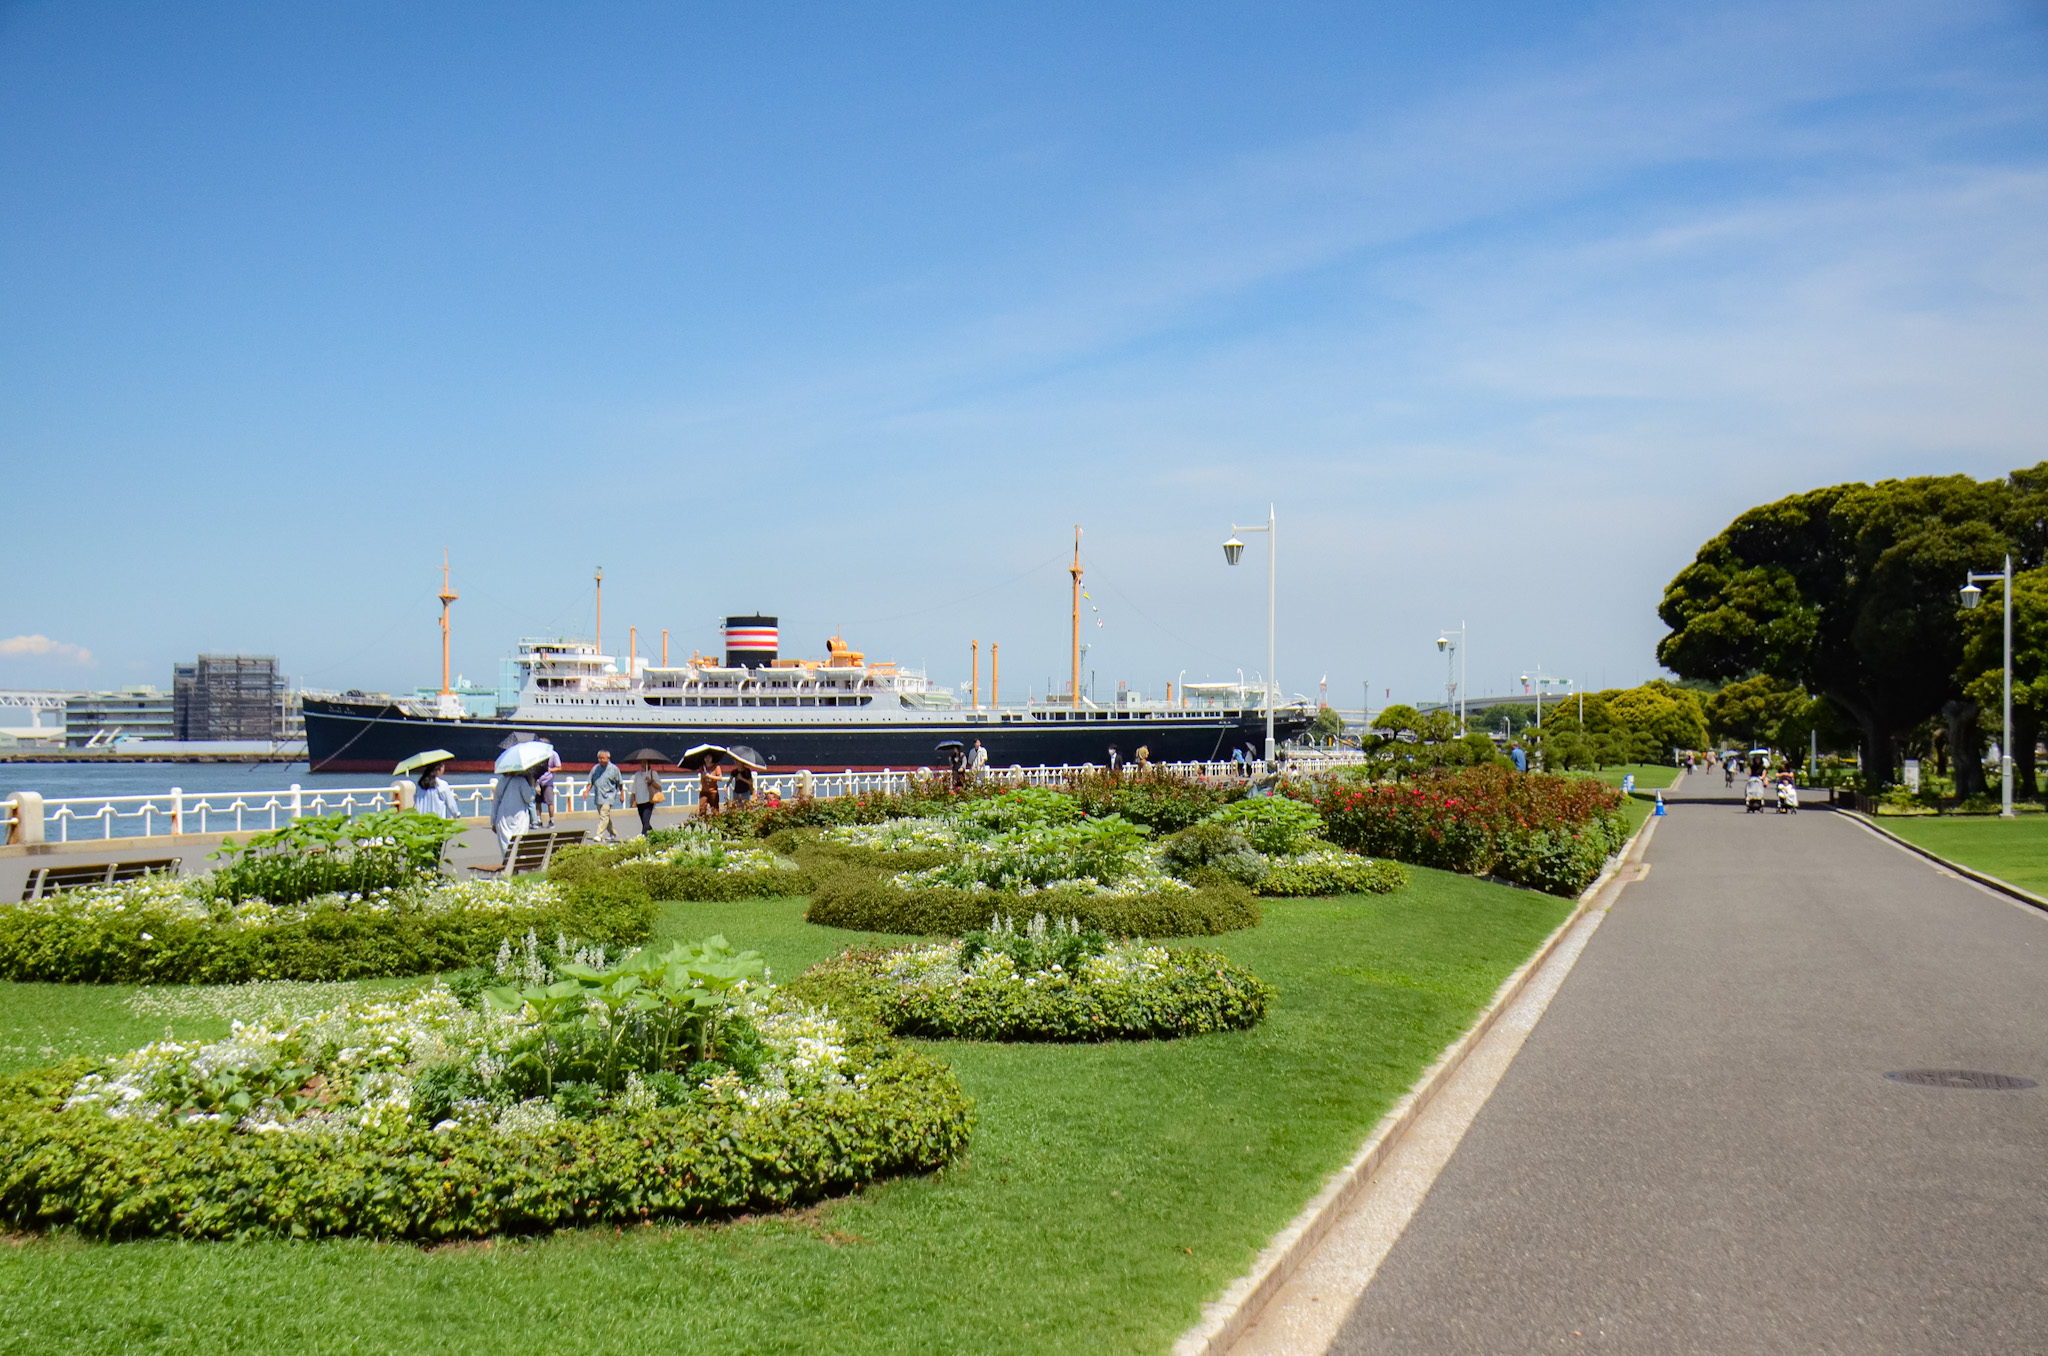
pixel 1596 729
pixel 1836 610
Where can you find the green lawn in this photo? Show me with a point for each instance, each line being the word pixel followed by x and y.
pixel 1108 1191
pixel 2014 850
pixel 1649 776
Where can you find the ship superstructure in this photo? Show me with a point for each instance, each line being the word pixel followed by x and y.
pixel 835 712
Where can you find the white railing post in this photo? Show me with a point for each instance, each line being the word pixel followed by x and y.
pixel 298 801
pixel 25 817
pixel 177 812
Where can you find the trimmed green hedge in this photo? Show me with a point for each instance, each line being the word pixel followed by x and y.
pixel 1322 876
pixel 128 1179
pixel 674 880
pixel 866 903
pixel 327 944
pixel 1193 993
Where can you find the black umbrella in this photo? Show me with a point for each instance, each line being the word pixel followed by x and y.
pixel 702 753
pixel 516 737
pixel 945 744
pixel 742 754
pixel 645 756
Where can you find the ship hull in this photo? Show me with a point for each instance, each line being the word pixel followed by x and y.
pixel 346 736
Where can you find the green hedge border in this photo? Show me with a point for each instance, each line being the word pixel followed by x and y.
pixel 866 903
pixel 120 1179
pixel 67 947
pixel 671 880
pixel 1212 993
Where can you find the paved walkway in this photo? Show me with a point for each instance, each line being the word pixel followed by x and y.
pixel 1696 1150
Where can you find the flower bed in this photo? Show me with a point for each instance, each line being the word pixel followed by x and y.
pixel 687 863
pixel 669 1085
pixel 1057 983
pixel 169 930
pixel 1551 833
pixel 865 902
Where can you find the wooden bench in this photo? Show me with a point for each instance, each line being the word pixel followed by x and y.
pixel 528 852
pixel 49 880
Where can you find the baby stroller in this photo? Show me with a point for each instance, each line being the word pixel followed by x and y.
pixel 1788 797
pixel 1753 796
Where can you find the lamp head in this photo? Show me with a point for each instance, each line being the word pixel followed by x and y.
pixel 1972 595
pixel 1443 642
pixel 1233 549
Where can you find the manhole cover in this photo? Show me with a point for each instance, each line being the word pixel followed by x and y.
pixel 1969 1079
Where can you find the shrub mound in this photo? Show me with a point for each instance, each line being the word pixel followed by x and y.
pixel 866 903
pixel 1551 833
pixel 162 931
pixel 687 863
pixel 670 1086
pixel 1057 983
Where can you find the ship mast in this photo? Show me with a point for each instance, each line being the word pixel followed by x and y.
pixel 1075 570
pixel 447 596
pixel 600 609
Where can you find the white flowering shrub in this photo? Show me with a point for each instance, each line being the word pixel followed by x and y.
pixel 173 930
pixel 1050 982
pixel 355 1067
pixel 926 834
pixel 187 897
pixel 421 1116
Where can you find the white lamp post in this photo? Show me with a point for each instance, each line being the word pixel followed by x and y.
pixel 1233 551
pixel 1454 688
pixel 1972 595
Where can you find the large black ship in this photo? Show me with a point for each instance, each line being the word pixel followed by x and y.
pixel 837 713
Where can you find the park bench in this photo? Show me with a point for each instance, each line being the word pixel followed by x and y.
pixel 49 880
pixel 532 851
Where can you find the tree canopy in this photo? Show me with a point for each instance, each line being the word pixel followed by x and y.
pixel 1850 593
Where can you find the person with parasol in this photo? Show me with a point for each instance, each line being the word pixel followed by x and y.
pixel 645 787
pixel 956 761
pixel 433 796
pixel 512 804
pixel 746 764
pixel 704 758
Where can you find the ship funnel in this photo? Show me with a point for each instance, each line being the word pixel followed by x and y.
pixel 750 642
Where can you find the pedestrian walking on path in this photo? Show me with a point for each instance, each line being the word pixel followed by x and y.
pixel 544 786
pixel 646 795
pixel 607 790
pixel 512 807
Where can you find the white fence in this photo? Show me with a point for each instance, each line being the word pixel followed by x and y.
pixel 92 818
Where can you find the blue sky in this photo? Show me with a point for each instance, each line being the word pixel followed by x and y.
pixel 850 313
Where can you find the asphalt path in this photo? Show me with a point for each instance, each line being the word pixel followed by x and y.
pixel 1697 1150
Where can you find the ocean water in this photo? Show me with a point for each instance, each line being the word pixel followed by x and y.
pixel 153 779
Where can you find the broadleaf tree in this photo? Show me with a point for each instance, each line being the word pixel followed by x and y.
pixel 1850 592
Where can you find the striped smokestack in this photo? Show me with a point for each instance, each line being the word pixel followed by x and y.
pixel 750 642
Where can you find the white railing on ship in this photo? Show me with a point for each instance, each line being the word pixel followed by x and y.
pixel 91 818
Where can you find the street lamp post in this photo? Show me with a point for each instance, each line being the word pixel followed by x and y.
pixel 1972 595
pixel 1454 687
pixel 1233 550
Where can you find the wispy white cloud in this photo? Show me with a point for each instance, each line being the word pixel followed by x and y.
pixel 42 647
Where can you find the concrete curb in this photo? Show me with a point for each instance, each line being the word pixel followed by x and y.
pixel 1226 1318
pixel 1983 878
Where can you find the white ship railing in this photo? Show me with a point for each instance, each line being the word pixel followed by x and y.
pixel 177 811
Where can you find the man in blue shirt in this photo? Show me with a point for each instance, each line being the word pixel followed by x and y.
pixel 606 784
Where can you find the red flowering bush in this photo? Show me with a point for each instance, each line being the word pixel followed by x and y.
pixel 1551 833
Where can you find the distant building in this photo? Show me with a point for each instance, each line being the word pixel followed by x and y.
pixel 233 696
pixel 95 718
